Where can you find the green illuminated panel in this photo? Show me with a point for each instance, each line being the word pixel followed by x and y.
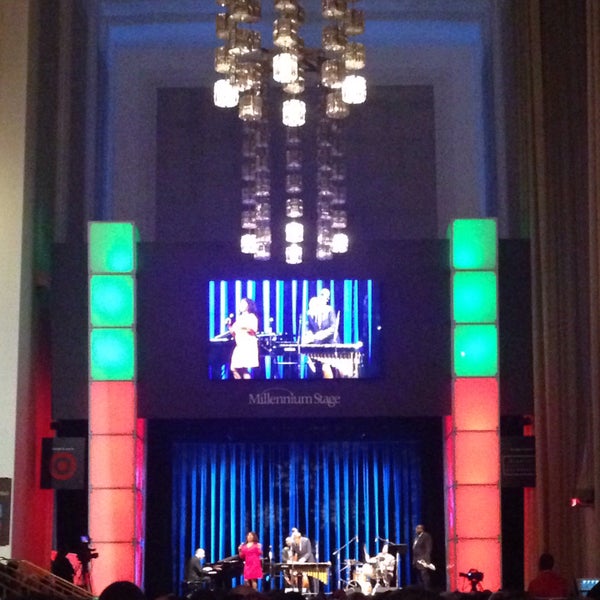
pixel 476 350
pixel 474 297
pixel 112 300
pixel 111 247
pixel 112 354
pixel 474 244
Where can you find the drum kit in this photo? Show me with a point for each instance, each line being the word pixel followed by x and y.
pixel 370 576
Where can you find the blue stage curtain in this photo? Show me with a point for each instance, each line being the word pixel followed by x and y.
pixel 344 496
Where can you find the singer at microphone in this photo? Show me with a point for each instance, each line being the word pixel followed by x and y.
pixel 245 357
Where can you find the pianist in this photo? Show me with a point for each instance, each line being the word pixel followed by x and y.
pixel 194 575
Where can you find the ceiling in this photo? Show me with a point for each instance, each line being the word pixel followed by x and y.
pixel 394 28
pixel 145 45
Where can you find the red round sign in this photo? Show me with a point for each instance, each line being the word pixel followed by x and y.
pixel 63 465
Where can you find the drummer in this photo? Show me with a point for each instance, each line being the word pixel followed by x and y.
pixel 384 565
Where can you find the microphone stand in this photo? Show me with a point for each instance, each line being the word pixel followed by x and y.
pixel 397 562
pixel 337 553
pixel 299 366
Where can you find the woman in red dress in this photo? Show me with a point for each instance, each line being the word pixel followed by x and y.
pixel 251 553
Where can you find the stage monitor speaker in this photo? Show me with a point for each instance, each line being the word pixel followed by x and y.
pixel 63 463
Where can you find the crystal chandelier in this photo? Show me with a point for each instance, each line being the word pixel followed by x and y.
pixel 246 69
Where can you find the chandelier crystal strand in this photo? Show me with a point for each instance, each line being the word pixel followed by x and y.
pixel 339 219
pixel 330 158
pixel 256 189
pixel 294 208
pixel 354 86
pixel 249 220
pixel 287 62
pixel 262 188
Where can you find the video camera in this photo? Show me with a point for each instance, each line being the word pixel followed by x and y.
pixel 473 575
pixel 85 552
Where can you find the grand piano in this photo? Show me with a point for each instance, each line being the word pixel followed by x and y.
pixel 217 575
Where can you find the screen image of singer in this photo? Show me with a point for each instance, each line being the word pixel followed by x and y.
pixel 305 328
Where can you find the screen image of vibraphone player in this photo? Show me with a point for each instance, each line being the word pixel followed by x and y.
pixel 326 357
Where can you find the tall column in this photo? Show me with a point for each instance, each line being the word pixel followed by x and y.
pixel 25 509
pixel 116 435
pixel 473 430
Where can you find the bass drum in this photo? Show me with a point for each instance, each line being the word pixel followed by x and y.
pixel 367 571
pixel 364 576
pixel 364 587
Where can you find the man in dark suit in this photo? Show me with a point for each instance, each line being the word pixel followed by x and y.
pixel 421 556
pixel 193 569
pixel 302 550
pixel 194 576
pixel 321 327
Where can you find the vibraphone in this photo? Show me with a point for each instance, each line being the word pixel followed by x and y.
pixel 318 570
pixel 346 358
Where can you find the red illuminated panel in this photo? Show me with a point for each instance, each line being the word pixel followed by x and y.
pixel 140 455
pixel 477 457
pixel 447 427
pixel 139 564
pixel 141 428
pixel 115 563
pixel 530 533
pixel 475 403
pixel 140 535
pixel 112 407
pixel 112 465
pixel 139 515
pixel 483 555
pixel 112 515
pixel 449 478
pixel 477 511
pixel 449 444
pixel 451 569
